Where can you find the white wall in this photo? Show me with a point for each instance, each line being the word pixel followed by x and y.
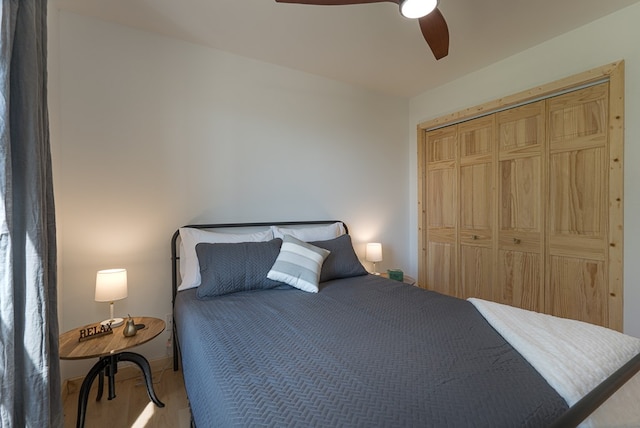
pixel 604 41
pixel 150 133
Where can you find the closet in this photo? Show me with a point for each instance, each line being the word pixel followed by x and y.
pixel 518 206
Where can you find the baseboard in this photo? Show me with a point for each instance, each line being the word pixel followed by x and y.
pixel 126 371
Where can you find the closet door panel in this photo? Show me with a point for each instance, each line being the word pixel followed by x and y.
pixel 441 269
pixel 476 210
pixel 517 272
pixel 578 290
pixel 579 115
pixel 476 254
pixel 520 218
pixel 578 205
pixel 476 272
pixel 441 207
pixel 520 194
pixel 519 129
pixel 475 197
pixel 577 192
pixel 442 145
pixel 476 137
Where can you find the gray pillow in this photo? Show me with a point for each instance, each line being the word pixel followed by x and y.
pixel 229 268
pixel 342 262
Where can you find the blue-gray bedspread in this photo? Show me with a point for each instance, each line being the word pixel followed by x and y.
pixel 363 352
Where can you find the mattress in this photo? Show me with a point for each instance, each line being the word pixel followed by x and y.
pixel 363 351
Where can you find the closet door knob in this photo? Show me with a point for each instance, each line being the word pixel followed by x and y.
pixel 475 237
pixel 516 241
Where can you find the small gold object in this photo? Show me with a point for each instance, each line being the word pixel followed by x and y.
pixel 129 328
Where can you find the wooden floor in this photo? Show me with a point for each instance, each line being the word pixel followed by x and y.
pixel 132 407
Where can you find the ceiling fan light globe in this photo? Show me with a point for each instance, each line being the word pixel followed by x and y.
pixel 417 8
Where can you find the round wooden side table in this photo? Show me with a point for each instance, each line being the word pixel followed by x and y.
pixel 110 349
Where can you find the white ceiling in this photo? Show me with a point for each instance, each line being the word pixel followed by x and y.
pixel 369 45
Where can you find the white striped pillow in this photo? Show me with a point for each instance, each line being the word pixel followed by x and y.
pixel 298 264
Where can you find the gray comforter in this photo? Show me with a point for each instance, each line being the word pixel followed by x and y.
pixel 363 352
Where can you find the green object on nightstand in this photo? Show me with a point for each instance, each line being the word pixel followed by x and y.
pixel 395 274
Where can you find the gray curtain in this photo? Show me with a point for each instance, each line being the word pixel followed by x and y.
pixel 29 365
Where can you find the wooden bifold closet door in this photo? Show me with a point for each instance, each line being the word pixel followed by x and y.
pixel 521 194
pixel 475 208
pixel 516 207
pixel 578 205
pixel 442 166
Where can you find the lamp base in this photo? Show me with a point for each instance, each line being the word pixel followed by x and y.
pixel 374 269
pixel 115 322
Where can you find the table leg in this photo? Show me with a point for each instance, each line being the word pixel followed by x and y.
pixel 146 371
pixel 100 385
pixel 83 396
pixel 110 363
pixel 112 368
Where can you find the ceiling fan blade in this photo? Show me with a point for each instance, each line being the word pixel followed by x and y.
pixel 436 33
pixel 335 2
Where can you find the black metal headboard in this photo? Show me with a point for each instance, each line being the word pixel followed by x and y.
pixel 175 258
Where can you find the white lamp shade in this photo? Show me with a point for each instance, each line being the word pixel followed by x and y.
pixel 417 8
pixel 374 252
pixel 111 284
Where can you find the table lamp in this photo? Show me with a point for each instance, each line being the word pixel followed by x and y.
pixel 374 254
pixel 111 285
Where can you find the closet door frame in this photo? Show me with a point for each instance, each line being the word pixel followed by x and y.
pixel 614 74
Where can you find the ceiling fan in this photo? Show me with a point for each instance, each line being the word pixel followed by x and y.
pixel 432 24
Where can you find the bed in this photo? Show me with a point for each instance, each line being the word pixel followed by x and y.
pixel 261 344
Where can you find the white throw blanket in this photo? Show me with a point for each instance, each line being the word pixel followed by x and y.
pixel 572 356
